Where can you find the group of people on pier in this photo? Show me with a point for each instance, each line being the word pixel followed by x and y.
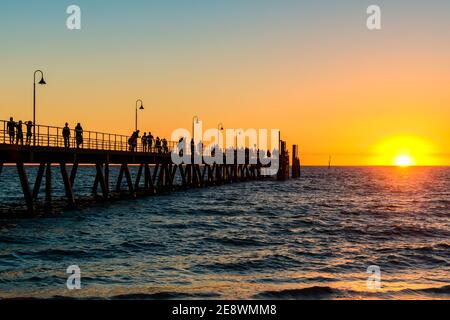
pixel 78 135
pixel 16 135
pixel 15 131
pixel 149 143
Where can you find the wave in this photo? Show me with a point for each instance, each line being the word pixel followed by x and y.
pixel 141 245
pixel 434 290
pixel 252 265
pixel 239 242
pixel 315 292
pixel 165 296
pixel 326 292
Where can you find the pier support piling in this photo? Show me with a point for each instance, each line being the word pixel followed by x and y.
pixel 100 179
pixel 73 173
pixel 37 183
pixel 119 179
pixel 25 187
pixel 67 185
pixel 149 182
pixel 126 171
pixel 106 177
pixel 138 177
pixel 48 185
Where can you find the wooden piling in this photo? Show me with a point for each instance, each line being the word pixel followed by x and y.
pixel 106 177
pixel 119 178
pixel 67 185
pixel 149 185
pixel 126 170
pixel 73 173
pixel 101 180
pixel 138 177
pixel 38 181
pixel 48 185
pixel 25 187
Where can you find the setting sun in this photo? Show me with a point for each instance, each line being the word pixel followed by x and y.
pixel 404 151
pixel 403 161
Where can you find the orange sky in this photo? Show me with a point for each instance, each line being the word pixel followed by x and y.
pixel 317 74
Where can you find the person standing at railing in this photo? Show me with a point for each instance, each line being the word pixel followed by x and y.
pixel 66 136
pixel 158 145
pixel 29 125
pixel 11 127
pixel 19 133
pixel 144 142
pixel 133 140
pixel 165 146
pixel 150 141
pixel 181 146
pixel 79 135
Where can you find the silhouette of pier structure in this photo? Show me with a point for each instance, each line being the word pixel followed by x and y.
pixel 156 172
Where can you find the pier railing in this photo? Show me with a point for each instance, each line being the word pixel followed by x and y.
pixel 51 136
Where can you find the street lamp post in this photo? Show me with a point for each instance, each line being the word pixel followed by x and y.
pixel 194 121
pixel 140 108
pixel 41 82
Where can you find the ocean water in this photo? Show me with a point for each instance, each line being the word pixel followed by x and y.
pixel 311 238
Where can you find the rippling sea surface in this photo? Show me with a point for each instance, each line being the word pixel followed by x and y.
pixel 311 238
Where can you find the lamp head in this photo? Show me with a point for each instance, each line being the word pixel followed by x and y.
pixel 141 108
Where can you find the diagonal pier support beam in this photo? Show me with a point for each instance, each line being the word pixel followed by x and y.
pixel 149 185
pixel 183 175
pixel 119 178
pixel 100 179
pixel 173 173
pixel 126 171
pixel 25 187
pixel 138 177
pixel 73 173
pixel 67 185
pixel 38 182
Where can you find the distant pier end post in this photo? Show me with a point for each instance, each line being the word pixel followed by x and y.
pixel 295 162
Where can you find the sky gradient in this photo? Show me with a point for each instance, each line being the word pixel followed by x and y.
pixel 309 68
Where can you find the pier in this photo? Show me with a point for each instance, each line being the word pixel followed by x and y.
pixel 156 172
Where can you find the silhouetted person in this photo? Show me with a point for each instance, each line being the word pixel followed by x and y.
pixel 66 135
pixel 11 127
pixel 19 133
pixel 79 135
pixel 132 141
pixel 165 146
pixel 135 141
pixel 181 146
pixel 29 131
pixel 144 142
pixel 158 144
pixel 150 141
